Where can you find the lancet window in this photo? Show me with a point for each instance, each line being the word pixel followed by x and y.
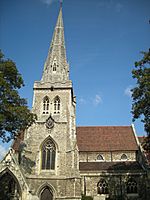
pixel 102 187
pixel 46 105
pixel 48 155
pixel 57 105
pixel 131 186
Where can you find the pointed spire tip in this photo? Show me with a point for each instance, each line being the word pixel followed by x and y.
pixel 61 2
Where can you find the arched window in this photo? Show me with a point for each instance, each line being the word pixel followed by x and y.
pixel 46 105
pixel 100 157
pixel 9 187
pixel 46 194
pixel 124 157
pixel 102 187
pixel 131 186
pixel 57 105
pixel 48 155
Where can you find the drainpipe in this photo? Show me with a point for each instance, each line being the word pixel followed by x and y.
pixel 84 186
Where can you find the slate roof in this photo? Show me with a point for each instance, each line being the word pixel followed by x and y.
pixel 98 166
pixel 106 138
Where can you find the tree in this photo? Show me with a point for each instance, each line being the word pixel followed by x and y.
pixel 141 94
pixel 14 113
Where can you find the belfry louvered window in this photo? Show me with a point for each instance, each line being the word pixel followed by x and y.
pixel 48 155
pixel 131 186
pixel 102 187
pixel 57 105
pixel 46 105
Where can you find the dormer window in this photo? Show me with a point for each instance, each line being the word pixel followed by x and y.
pixel 57 105
pixel 46 105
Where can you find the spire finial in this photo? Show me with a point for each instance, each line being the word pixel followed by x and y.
pixel 61 2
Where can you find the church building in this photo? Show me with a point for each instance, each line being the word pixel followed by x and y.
pixel 56 160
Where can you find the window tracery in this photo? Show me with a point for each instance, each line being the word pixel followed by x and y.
pixel 102 187
pixel 131 186
pixel 48 155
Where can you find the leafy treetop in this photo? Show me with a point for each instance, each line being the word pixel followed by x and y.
pixel 14 113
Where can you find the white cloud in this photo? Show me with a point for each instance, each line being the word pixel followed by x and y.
pixel 2 152
pixel 97 100
pixel 82 100
pixel 49 2
pixel 127 91
pixel 110 4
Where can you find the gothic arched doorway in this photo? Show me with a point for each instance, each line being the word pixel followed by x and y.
pixel 46 194
pixel 9 187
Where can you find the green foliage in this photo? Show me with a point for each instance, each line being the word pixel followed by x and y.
pixel 14 113
pixel 84 197
pixel 141 93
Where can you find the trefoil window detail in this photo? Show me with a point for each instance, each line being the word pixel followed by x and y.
pixel 57 105
pixel 102 187
pixel 46 105
pixel 131 186
pixel 48 155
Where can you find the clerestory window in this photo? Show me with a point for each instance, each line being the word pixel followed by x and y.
pixel 124 157
pixel 46 105
pixel 100 157
pixel 131 186
pixel 57 105
pixel 48 155
pixel 102 187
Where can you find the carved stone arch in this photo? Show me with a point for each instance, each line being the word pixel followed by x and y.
pixel 46 186
pixel 10 187
pixel 47 138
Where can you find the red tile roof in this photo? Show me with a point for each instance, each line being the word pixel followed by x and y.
pixel 97 166
pixel 106 138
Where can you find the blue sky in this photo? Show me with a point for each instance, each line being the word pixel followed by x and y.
pixel 103 40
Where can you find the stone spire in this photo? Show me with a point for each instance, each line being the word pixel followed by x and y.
pixel 56 68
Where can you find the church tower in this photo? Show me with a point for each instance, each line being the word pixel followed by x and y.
pixel 51 146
